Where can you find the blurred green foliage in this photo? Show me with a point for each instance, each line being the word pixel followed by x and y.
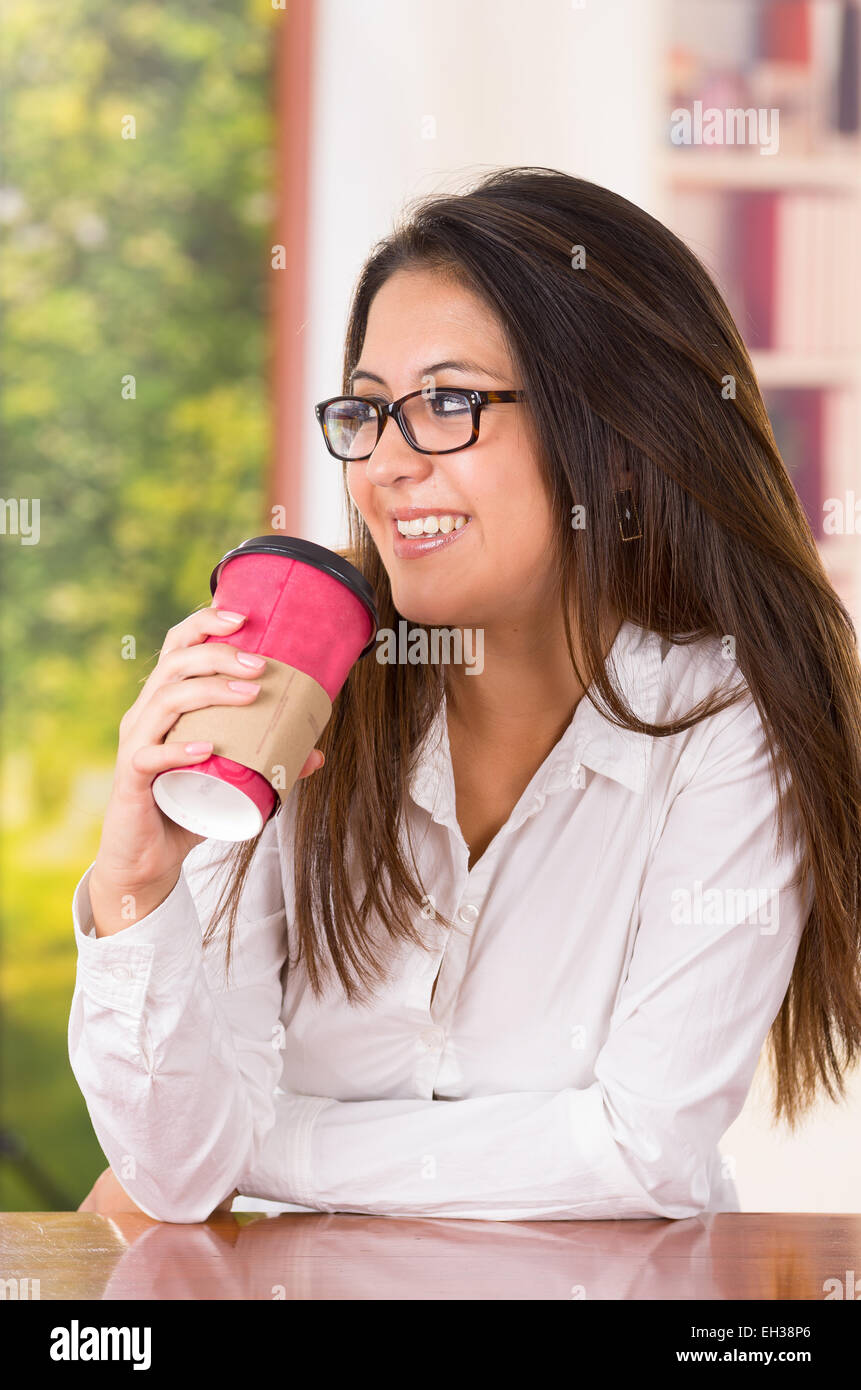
pixel 144 258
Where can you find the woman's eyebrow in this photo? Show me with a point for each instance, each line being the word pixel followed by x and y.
pixel 449 365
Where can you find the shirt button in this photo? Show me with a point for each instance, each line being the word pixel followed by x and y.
pixel 120 972
pixel 433 1038
pixel 560 777
pixel 468 913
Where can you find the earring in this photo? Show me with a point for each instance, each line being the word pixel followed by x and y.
pixel 626 510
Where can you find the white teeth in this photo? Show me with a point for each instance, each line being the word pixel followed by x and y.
pixel 429 525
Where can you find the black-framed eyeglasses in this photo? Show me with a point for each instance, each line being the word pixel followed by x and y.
pixel 440 421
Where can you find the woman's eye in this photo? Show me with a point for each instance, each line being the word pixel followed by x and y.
pixel 448 403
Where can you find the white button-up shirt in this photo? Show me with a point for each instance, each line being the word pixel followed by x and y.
pixel 618 955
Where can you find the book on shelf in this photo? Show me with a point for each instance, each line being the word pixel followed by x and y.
pixel 802 57
pixel 798 419
pixel 788 264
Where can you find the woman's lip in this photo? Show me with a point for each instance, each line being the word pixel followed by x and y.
pixel 406 547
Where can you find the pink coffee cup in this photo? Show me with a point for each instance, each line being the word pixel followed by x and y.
pixel 306 607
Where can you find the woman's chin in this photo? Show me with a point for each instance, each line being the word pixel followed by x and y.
pixel 429 615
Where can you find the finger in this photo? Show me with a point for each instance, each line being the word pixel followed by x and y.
pixel 208 659
pixel 159 715
pixel 204 622
pixel 312 763
pixel 147 762
pixel 152 759
pixel 192 631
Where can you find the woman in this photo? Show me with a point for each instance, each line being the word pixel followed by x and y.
pixel 571 894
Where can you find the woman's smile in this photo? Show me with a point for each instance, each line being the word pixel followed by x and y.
pixel 428 539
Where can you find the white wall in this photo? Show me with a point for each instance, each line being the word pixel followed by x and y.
pixel 506 82
pixel 816 1169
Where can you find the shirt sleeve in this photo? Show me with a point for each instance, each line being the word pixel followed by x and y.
pixel 719 923
pixel 177 1065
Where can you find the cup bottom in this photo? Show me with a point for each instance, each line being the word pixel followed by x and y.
pixel 206 805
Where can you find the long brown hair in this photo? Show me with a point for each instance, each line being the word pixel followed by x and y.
pixel 627 362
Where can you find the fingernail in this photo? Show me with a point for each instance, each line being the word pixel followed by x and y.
pixel 226 617
pixel 199 747
pixel 244 685
pixel 249 659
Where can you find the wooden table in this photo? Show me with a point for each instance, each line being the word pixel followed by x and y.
pixel 245 1255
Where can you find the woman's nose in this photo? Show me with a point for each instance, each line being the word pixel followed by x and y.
pixel 393 459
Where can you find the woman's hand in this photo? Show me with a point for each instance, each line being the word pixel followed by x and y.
pixel 106 1195
pixel 141 849
pixel 109 1197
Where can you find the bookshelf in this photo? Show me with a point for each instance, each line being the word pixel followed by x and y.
pixel 780 231
pixel 740 171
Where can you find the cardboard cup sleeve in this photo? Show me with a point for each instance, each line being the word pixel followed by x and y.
pixel 274 734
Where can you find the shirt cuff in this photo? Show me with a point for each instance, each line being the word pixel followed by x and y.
pixel 145 958
pixel 281 1168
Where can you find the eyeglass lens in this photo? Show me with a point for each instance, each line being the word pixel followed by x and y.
pixel 437 421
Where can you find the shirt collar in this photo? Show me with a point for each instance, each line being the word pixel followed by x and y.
pixel 590 739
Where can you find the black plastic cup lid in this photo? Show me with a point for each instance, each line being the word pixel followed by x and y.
pixel 293 548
